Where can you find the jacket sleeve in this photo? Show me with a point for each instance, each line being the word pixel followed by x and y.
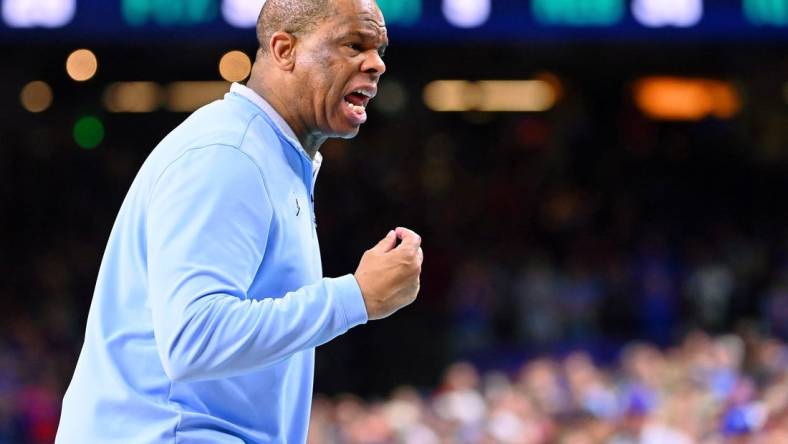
pixel 208 220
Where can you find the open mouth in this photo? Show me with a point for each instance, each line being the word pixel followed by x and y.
pixel 357 101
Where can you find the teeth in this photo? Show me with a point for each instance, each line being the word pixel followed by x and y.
pixel 355 108
pixel 363 93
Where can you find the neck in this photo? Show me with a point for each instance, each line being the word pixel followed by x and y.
pixel 311 142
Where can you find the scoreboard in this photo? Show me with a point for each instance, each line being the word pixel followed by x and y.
pixel 89 21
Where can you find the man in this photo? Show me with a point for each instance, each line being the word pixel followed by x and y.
pixel 210 299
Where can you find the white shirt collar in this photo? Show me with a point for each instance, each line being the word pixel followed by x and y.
pixel 269 110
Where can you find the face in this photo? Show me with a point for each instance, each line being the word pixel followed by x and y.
pixel 338 66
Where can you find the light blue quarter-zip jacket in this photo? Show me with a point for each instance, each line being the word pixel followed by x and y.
pixel 210 299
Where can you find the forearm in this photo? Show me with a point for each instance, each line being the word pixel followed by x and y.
pixel 220 335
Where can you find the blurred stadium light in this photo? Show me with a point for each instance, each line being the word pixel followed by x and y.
pixel 451 95
pixel 467 13
pixel 392 96
pixel 36 96
pixel 673 98
pixel 767 12
pixel 133 97
pixel 188 96
pixel 785 92
pixel 409 20
pixel 88 132
pixel 37 13
pixel 490 95
pixel 235 66
pixel 241 13
pixel 578 12
pixel 171 12
pixel 401 12
pixel 82 65
pixel 658 13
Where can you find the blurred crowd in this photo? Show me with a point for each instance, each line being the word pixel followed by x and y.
pixel 706 390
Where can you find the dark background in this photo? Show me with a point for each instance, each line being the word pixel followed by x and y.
pixel 584 227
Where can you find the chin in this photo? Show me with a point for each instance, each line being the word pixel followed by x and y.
pixel 344 131
pixel 349 134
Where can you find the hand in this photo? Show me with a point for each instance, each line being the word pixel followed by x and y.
pixel 389 274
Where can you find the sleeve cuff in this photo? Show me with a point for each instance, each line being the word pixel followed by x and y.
pixel 351 301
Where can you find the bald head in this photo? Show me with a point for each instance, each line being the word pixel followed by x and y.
pixel 291 16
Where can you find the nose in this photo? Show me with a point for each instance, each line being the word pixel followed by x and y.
pixel 374 64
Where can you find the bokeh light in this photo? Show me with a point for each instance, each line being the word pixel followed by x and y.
pixel 168 13
pixel 766 12
pixel 235 66
pixel 38 14
pixel 467 13
pixel 36 96
pixel 578 13
pixel 88 132
pixel 676 98
pixel 659 13
pixel 82 65
pixel 133 97
pixel 785 92
pixel 401 12
pixel 490 95
pixel 241 13
pixel 450 95
pixel 184 97
pixel 392 97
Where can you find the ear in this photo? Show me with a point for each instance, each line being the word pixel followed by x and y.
pixel 282 49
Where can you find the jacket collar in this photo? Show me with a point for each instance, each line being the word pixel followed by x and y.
pixel 276 118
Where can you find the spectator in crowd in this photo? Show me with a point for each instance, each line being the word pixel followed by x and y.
pixel 695 393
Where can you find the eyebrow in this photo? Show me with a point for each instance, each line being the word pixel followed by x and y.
pixel 367 35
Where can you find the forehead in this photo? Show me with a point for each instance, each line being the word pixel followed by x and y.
pixel 359 15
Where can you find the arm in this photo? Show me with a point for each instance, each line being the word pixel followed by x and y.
pixel 208 221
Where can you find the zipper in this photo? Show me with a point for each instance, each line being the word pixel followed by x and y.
pixel 309 180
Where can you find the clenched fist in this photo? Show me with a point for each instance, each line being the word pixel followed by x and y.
pixel 389 274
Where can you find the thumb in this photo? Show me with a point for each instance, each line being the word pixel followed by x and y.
pixel 387 243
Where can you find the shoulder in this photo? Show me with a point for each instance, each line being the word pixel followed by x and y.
pixel 205 180
pixel 216 143
pixel 229 122
pixel 223 122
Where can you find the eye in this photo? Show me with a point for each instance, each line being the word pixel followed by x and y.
pixel 354 46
